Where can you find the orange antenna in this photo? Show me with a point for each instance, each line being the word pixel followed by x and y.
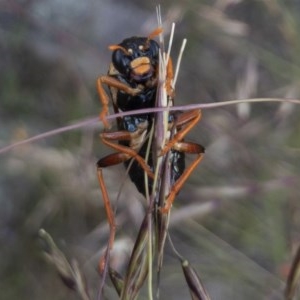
pixel 155 32
pixel 116 47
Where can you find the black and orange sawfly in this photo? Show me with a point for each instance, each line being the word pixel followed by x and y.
pixel 134 78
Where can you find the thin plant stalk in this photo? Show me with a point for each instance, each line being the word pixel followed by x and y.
pixel 94 120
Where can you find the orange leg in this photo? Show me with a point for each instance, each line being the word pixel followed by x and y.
pixel 169 78
pixel 125 152
pixel 110 218
pixel 114 83
pixel 109 160
pixel 189 120
pixel 179 183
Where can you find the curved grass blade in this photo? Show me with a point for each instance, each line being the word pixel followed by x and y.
pixel 197 289
pixel 138 265
pixel 195 285
pixel 70 274
pixel 117 280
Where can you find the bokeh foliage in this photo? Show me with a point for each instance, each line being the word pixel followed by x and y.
pixel 51 54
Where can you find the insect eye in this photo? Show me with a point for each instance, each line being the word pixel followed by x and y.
pixel 141 47
pixel 121 60
pixel 153 47
pixel 130 51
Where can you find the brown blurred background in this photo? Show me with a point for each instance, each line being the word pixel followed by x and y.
pixel 237 218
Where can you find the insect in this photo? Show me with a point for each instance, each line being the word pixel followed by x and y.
pixel 132 80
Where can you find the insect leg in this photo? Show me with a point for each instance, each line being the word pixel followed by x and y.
pixel 169 79
pixel 125 152
pixel 187 148
pixel 188 119
pixel 115 83
pixel 185 122
pixel 110 218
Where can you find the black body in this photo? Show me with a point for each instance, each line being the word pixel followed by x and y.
pixel 131 49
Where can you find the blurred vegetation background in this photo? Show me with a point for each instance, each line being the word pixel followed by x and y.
pixel 237 218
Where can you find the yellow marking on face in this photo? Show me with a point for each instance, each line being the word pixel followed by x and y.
pixel 141 65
